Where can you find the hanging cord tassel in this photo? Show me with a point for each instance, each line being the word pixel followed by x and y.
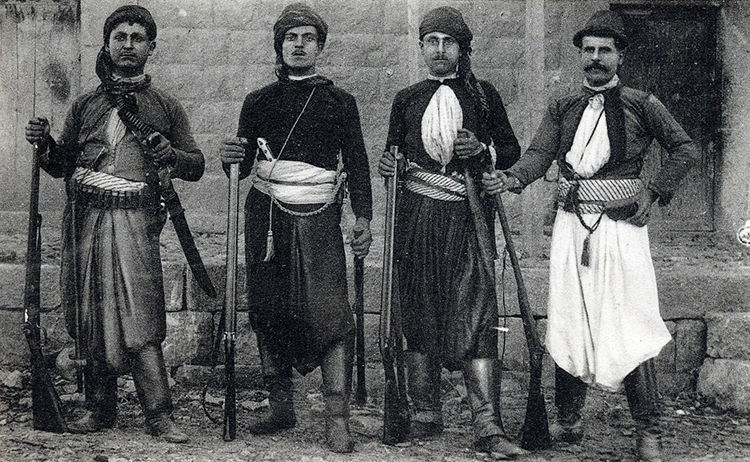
pixel 586 252
pixel 269 236
pixel 571 200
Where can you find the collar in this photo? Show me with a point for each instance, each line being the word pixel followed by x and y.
pixel 451 76
pixel 298 78
pixel 607 86
pixel 137 79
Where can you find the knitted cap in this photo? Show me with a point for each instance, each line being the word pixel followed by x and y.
pixel 130 14
pixel 603 23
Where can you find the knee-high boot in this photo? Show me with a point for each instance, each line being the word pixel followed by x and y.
pixel 101 401
pixel 277 375
pixel 423 380
pixel 152 386
pixel 336 369
pixel 643 399
pixel 479 375
pixel 570 397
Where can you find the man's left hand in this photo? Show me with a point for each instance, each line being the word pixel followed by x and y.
pixel 162 150
pixel 644 201
pixel 361 237
pixel 467 145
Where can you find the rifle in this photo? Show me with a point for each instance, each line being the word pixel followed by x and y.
pixel 78 360
pixel 46 407
pixel 395 405
pixel 535 430
pixel 360 394
pixel 230 306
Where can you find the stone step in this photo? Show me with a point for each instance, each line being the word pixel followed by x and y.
pixel 726 383
pixel 726 335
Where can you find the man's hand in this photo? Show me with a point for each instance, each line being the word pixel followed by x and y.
pixel 232 150
pixel 361 237
pixel 387 164
pixel 644 201
pixel 37 132
pixel 498 182
pixel 467 145
pixel 162 150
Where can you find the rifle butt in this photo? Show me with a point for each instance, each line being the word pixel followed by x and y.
pixel 46 406
pixel 360 393
pixel 229 429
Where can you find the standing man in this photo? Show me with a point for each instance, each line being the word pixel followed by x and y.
pixel 298 139
pixel 604 324
pixel 442 125
pixel 117 219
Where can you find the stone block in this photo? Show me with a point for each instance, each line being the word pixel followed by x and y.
pixel 690 339
pixel 191 14
pixel 189 335
pixel 197 300
pixel 695 291
pixel 257 15
pixel 665 362
pixel 727 335
pixel 174 286
pixel 497 19
pixel 726 383
pixel 12 341
pixel 13 278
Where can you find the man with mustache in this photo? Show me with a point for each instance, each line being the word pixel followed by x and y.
pixel 118 217
pixel 604 325
pixel 444 125
pixel 297 137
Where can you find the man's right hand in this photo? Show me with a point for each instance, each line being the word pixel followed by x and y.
pixel 37 132
pixel 232 150
pixel 498 182
pixel 387 164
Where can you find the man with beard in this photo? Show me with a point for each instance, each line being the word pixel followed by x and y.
pixel 444 125
pixel 604 325
pixel 118 220
pixel 297 137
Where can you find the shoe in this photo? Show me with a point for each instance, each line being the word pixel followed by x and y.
pixel 165 428
pixel 90 422
pixel 648 448
pixel 425 430
pixel 567 433
pixel 336 368
pixel 499 447
pixel 423 385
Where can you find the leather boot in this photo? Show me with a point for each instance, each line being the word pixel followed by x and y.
pixel 152 386
pixel 336 369
pixel 643 399
pixel 277 375
pixel 101 402
pixel 423 379
pixel 479 375
pixel 570 396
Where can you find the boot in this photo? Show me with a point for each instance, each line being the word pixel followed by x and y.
pixel 152 386
pixel 101 402
pixel 336 369
pixel 479 375
pixel 277 375
pixel 423 379
pixel 570 396
pixel 643 399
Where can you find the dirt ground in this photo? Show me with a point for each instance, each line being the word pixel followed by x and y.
pixel 692 431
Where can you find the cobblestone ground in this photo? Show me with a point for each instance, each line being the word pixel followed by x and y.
pixel 692 431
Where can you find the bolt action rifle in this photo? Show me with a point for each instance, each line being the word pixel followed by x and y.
pixel 46 407
pixel 230 307
pixel 395 405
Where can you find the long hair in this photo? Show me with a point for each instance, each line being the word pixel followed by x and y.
pixel 472 85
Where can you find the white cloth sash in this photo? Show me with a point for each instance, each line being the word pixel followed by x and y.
pixel 590 149
pixel 294 182
pixel 440 123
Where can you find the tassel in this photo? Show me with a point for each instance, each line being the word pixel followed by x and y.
pixel 585 253
pixel 269 246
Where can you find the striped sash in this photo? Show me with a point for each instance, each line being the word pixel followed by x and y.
pixel 589 196
pixel 435 185
pixel 105 191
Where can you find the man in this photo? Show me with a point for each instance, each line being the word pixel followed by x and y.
pixel 297 137
pixel 604 325
pixel 118 219
pixel 444 125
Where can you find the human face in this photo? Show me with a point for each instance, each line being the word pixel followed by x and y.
pixel 300 50
pixel 440 52
pixel 129 48
pixel 600 59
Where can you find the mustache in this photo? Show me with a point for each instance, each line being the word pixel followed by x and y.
pixel 596 66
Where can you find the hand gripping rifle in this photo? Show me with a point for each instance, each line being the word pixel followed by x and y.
pixel 230 306
pixel 46 407
pixel 395 404
pixel 360 393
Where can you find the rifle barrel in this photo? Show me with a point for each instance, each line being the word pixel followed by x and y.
pixel 230 305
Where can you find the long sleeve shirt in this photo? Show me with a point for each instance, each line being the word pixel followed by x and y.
pixel 646 119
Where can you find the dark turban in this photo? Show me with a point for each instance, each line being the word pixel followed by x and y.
pixel 447 20
pixel 130 14
pixel 296 15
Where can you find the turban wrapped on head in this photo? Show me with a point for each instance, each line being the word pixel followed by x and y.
pixel 447 20
pixel 130 14
pixel 296 15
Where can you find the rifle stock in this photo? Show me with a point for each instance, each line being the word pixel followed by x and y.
pixel 535 431
pixel 395 405
pixel 46 407
pixel 360 394
pixel 230 307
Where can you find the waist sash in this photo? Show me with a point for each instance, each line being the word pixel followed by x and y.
pixel 589 196
pixel 295 182
pixel 435 185
pixel 105 191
